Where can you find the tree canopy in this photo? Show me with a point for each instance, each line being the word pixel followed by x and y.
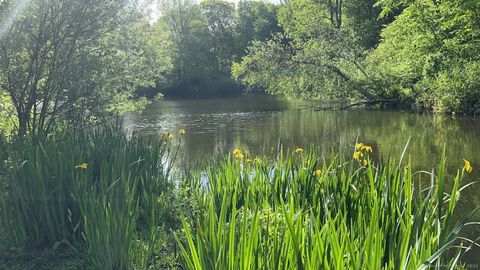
pixel 73 60
pixel 423 52
pixel 79 61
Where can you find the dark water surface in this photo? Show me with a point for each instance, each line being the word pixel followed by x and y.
pixel 257 123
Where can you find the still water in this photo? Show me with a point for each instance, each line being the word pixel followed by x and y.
pixel 258 123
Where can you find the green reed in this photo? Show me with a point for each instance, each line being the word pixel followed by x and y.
pixel 300 212
pixel 96 190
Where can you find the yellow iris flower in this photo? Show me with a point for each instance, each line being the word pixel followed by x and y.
pixel 182 131
pixel 468 166
pixel 318 172
pixel 257 160
pixel 82 166
pixel 239 156
pixel 357 155
pixel 298 150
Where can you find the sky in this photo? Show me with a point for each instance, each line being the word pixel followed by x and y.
pixel 155 11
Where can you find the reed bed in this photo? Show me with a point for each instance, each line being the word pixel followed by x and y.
pixel 111 199
pixel 95 191
pixel 301 212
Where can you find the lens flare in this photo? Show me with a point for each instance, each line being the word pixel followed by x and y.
pixel 9 14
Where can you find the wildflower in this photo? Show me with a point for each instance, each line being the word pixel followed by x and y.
pixel 468 166
pixel 170 136
pixel 239 156
pixel 236 151
pixel 249 160
pixel 318 172
pixel 298 150
pixel 182 131
pixel 365 162
pixel 82 166
pixel 368 149
pixel 257 160
pixel 357 155
pixel 359 146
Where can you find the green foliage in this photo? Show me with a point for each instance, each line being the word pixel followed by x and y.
pixel 299 212
pixel 96 187
pixel 67 60
pixel 431 52
pixel 319 57
pixel 7 112
pixel 207 37
pixel 331 50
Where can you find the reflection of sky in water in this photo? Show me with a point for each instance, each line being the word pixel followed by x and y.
pixel 216 126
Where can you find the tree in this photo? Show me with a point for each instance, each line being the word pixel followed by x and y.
pixel 255 20
pixel 207 38
pixel 431 53
pixel 220 22
pixel 320 56
pixel 57 60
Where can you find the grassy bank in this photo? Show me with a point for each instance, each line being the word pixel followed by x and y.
pixel 99 200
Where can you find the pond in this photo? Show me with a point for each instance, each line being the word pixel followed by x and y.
pixel 258 123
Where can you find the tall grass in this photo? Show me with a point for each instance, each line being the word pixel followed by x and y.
pixel 94 189
pixel 298 212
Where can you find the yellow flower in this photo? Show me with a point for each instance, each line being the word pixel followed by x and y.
pixel 236 151
pixel 468 166
pixel 182 131
pixel 357 155
pixel 249 160
pixel 368 149
pixel 359 146
pixel 318 172
pixel 170 136
pixel 365 162
pixel 239 156
pixel 298 150
pixel 257 160
pixel 82 166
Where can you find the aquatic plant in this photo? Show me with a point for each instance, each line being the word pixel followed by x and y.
pixel 308 213
pixel 96 190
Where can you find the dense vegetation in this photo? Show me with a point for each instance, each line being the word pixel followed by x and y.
pixel 77 192
pixel 83 192
pixel 66 200
pixel 78 62
pixel 207 37
pixel 424 52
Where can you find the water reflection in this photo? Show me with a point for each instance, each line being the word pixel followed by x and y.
pixel 216 126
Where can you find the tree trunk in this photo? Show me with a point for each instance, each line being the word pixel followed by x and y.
pixel 22 124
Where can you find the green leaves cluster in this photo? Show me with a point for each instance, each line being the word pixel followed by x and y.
pixel 74 61
pixel 206 38
pixel 298 212
pixel 320 55
pixel 417 51
pixel 431 53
